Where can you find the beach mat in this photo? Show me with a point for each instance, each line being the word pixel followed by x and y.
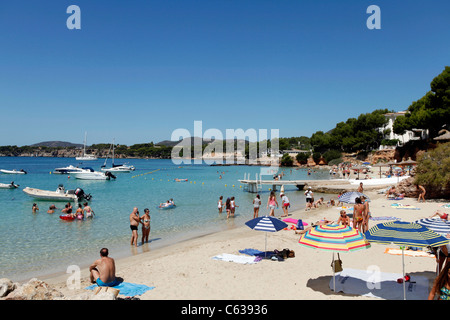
pixel 127 289
pixel 410 253
pixel 380 285
pixel 384 218
pixel 236 258
pixel 403 206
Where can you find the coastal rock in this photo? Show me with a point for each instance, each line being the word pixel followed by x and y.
pixel 6 286
pixel 34 290
pixel 408 188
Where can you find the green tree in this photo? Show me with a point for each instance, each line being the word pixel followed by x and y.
pixel 286 160
pixel 432 111
pixel 433 169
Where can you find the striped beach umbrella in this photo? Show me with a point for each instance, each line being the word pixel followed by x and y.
pixel 335 238
pixel 349 197
pixel 437 225
pixel 404 233
pixel 267 224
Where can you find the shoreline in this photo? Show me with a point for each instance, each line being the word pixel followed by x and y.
pixel 186 270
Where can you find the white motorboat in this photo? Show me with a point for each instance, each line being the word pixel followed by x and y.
pixel 11 185
pixel 14 171
pixel 67 170
pixel 59 195
pixel 116 168
pixel 119 168
pixel 90 174
pixel 85 156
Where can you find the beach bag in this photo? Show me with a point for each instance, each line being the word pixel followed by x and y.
pixel 299 224
pixel 337 267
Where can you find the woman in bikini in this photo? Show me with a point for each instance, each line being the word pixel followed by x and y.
pixel 358 214
pixel 145 220
pixel 271 202
pixel 88 210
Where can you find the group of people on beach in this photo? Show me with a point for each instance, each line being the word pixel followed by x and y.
pixel 135 221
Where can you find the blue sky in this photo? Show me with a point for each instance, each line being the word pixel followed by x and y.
pixel 138 70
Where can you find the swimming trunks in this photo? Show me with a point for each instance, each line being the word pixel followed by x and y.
pixel 109 284
pixel 133 227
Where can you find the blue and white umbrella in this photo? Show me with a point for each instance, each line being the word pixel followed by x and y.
pixel 437 225
pixel 267 224
pixel 349 197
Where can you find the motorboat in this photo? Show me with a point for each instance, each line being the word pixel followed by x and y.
pixel 116 168
pixel 91 174
pixel 11 185
pixel 67 170
pixel 85 156
pixel 14 171
pixel 119 168
pixel 59 195
pixel 180 180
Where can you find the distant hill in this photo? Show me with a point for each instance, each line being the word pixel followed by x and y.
pixel 169 143
pixel 57 144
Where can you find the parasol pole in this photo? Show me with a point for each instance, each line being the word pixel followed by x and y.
pixel 334 276
pixel 403 263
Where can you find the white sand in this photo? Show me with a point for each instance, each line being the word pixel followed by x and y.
pixel 187 271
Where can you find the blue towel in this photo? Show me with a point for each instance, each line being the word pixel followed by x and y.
pixel 127 289
pixel 251 252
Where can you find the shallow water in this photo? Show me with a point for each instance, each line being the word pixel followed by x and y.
pixel 36 244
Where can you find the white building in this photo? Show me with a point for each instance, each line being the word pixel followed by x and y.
pixel 414 134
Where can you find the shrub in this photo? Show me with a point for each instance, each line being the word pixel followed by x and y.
pixel 433 169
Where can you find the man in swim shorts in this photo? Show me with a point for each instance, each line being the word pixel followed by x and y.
pixel 134 223
pixel 103 270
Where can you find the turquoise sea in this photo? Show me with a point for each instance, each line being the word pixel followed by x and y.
pixel 40 244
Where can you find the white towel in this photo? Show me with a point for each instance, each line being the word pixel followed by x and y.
pixel 235 258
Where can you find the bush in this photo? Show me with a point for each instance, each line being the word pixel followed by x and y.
pixel 331 155
pixel 433 169
pixel 302 157
pixel 286 160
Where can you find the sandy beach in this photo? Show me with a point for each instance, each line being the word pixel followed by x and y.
pixel 186 271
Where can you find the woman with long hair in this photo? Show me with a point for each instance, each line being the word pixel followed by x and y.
pixel 441 286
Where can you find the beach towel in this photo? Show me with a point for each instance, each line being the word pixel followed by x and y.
pixel 446 205
pixel 403 206
pixel 251 252
pixel 294 221
pixel 127 289
pixel 236 258
pixel 384 218
pixel 410 253
pixel 380 285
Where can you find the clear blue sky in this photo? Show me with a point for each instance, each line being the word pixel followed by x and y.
pixel 137 70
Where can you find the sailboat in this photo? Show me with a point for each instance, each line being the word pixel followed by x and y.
pixel 86 157
pixel 116 167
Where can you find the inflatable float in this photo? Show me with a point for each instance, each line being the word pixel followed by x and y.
pixel 67 217
pixel 164 206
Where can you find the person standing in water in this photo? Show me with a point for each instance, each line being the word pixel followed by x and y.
pixel 220 204
pixel 134 223
pixel 88 210
pixel 145 220
pixel 256 204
